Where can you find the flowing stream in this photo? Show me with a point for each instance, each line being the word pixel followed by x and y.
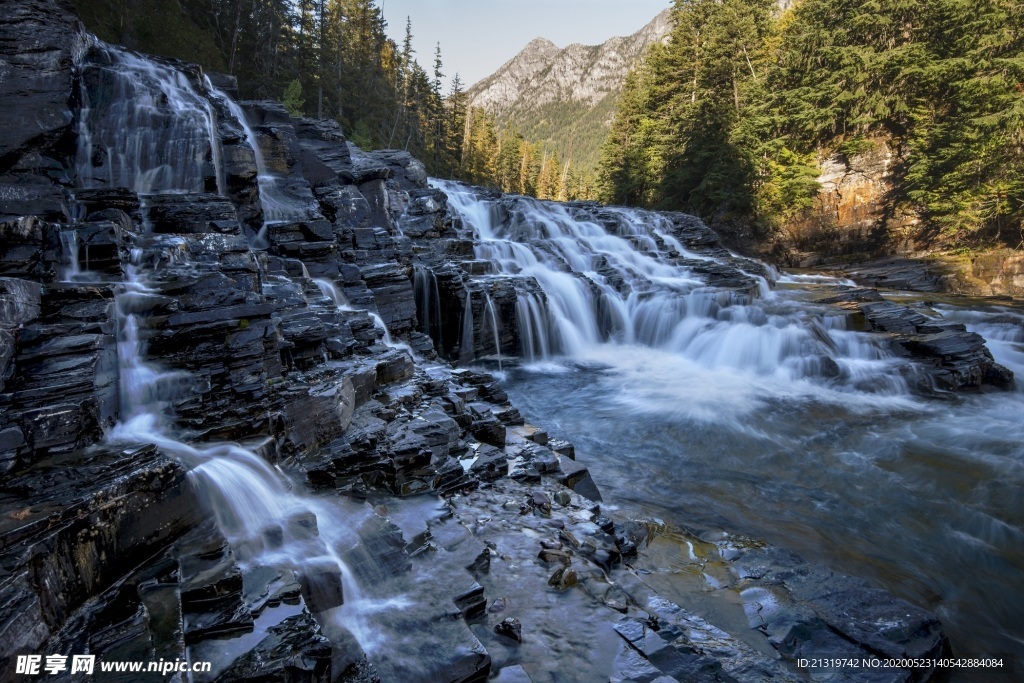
pixel 766 415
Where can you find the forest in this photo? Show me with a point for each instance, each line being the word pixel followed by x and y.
pixel 732 116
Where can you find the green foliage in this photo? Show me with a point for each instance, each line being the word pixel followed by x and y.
pixel 504 159
pixel 292 99
pixel 572 129
pixel 361 135
pixel 677 141
pixel 731 115
pixel 162 28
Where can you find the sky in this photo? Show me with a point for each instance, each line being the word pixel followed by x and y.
pixel 478 36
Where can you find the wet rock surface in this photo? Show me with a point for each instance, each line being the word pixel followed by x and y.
pixel 65 521
pixel 304 321
pixel 947 356
pixel 38 82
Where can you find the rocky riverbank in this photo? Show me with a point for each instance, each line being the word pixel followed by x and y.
pixel 302 299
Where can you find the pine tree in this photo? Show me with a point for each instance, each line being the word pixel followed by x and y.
pixel 293 101
pixel 455 107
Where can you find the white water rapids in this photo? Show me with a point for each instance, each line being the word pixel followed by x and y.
pixel 768 415
pixel 619 296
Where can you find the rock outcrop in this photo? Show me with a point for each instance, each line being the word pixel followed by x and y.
pixel 852 216
pixel 948 357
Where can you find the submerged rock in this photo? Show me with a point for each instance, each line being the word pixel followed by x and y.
pixel 510 628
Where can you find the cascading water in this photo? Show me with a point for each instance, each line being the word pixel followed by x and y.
pixel 277 208
pixel 492 316
pixel 466 344
pixel 73 269
pixel 331 291
pixel 628 288
pixel 248 498
pixel 428 303
pixel 763 412
pixel 144 126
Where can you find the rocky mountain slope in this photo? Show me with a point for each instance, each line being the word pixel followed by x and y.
pixel 566 97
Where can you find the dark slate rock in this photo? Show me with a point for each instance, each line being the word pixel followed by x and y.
pixel 30 249
pixel 61 517
pixel 853 295
pixel 19 302
pixel 93 201
pixel 224 82
pixel 321 585
pixel 472 602
pixel 295 651
pixel 489 431
pixel 491 463
pixel 38 83
pixel 29 195
pixel 191 214
pixel 577 477
pixel 406 171
pixel 510 628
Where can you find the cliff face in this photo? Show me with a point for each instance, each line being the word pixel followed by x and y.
pixel 859 225
pixel 852 215
pixel 547 92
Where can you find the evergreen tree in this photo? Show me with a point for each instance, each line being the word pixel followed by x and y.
pixel 292 99
pixel 455 108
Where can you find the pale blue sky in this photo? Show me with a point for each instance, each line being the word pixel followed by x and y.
pixel 478 36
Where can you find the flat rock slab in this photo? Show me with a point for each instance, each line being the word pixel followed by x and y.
pixel 952 358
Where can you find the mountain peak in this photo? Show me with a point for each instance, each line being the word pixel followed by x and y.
pixel 540 44
pixel 544 73
pixel 565 97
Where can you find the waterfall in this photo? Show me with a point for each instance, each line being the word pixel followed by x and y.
pixel 428 304
pixel 144 126
pixel 251 501
pixel 277 208
pixel 466 354
pixel 620 277
pixel 489 311
pixel 379 323
pixel 332 292
pixel 533 327
pixel 73 270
